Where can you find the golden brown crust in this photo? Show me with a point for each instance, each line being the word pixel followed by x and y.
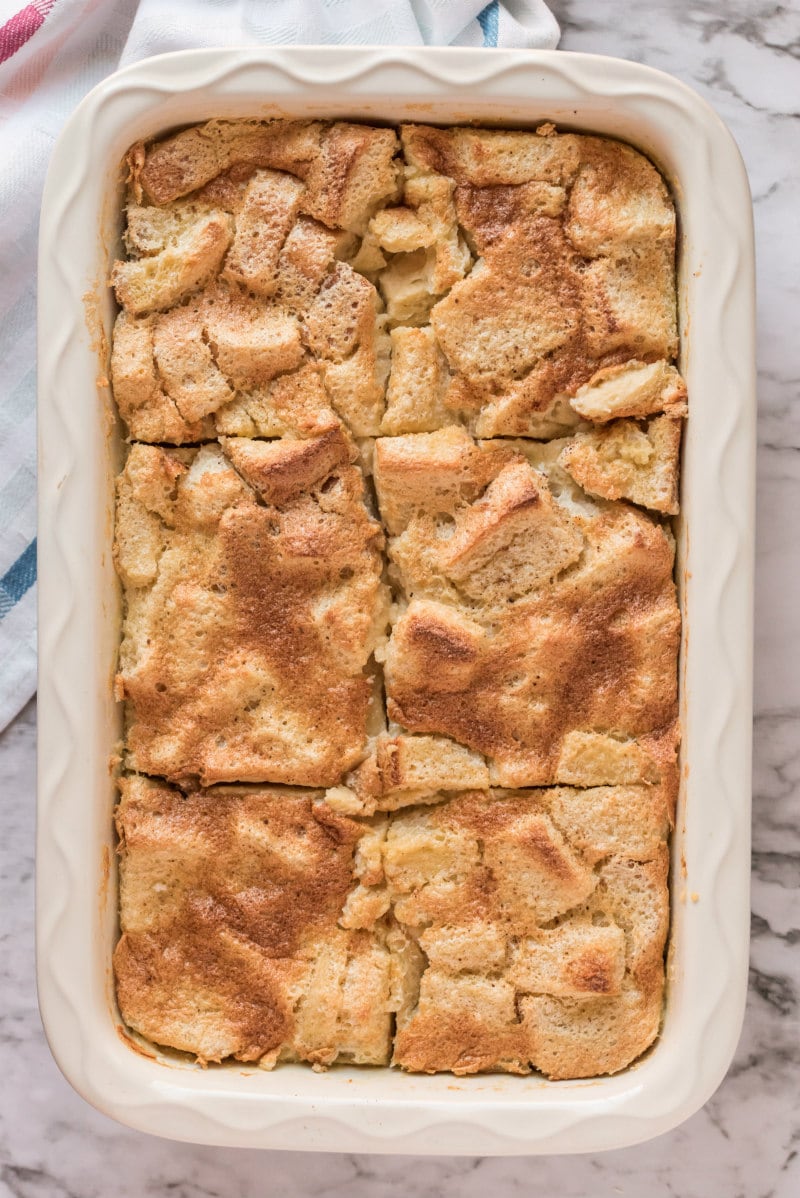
pixel 252 609
pixel 227 900
pixel 246 220
pixel 575 237
pixel 292 280
pixel 537 261
pixel 527 624
pixel 542 916
pixel 347 169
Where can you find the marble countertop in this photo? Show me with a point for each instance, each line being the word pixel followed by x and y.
pixel 742 56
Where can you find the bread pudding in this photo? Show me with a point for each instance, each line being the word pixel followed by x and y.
pixel 400 639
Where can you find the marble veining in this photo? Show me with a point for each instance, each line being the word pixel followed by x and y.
pixel 742 56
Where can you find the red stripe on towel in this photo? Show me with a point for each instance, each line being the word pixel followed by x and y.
pixel 22 26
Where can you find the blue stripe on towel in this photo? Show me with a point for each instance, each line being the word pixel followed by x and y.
pixel 18 579
pixel 488 20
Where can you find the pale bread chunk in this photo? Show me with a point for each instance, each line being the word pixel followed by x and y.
pixel 307 255
pixel 145 499
pixel 573 960
pixel 427 763
pixel 252 341
pixel 626 460
pixel 366 258
pixel 432 200
pixel 403 771
pixel 604 821
pixel 472 947
pixel 294 404
pixel 342 329
pixel 186 366
pixel 582 1037
pixel 417 384
pixel 229 901
pixel 148 411
pixel 592 758
pixel 633 389
pixel 635 894
pixel 430 474
pixel 158 282
pixel 407 287
pixel 149 230
pixel 430 254
pixel 268 213
pixel 512 416
pixel 401 230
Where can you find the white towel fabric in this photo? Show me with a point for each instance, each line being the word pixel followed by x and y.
pixel 51 53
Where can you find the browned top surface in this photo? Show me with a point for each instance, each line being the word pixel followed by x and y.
pixel 575 238
pixel 542 917
pixel 535 634
pixel 525 620
pixel 225 898
pixel 538 258
pixel 253 604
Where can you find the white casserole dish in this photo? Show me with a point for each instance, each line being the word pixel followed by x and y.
pixel 350 1109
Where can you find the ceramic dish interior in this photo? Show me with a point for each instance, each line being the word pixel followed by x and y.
pixel 380 1110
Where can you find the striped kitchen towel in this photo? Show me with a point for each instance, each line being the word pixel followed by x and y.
pixel 51 53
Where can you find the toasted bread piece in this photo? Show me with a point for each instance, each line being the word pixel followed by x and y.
pixel 492 157
pixel 417 384
pixel 270 206
pixel 629 304
pixel 627 460
pixel 225 362
pixel 229 907
pixel 189 374
pixel 618 200
pixel 512 539
pixel 253 602
pixel 293 404
pixel 575 238
pixel 518 305
pixel 343 330
pixel 528 929
pixel 347 169
pixel 147 409
pixel 432 474
pixel 249 221
pixel 403 771
pixel 154 283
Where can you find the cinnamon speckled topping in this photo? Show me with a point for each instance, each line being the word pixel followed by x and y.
pixel 253 602
pixel 405 422
pixel 229 908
